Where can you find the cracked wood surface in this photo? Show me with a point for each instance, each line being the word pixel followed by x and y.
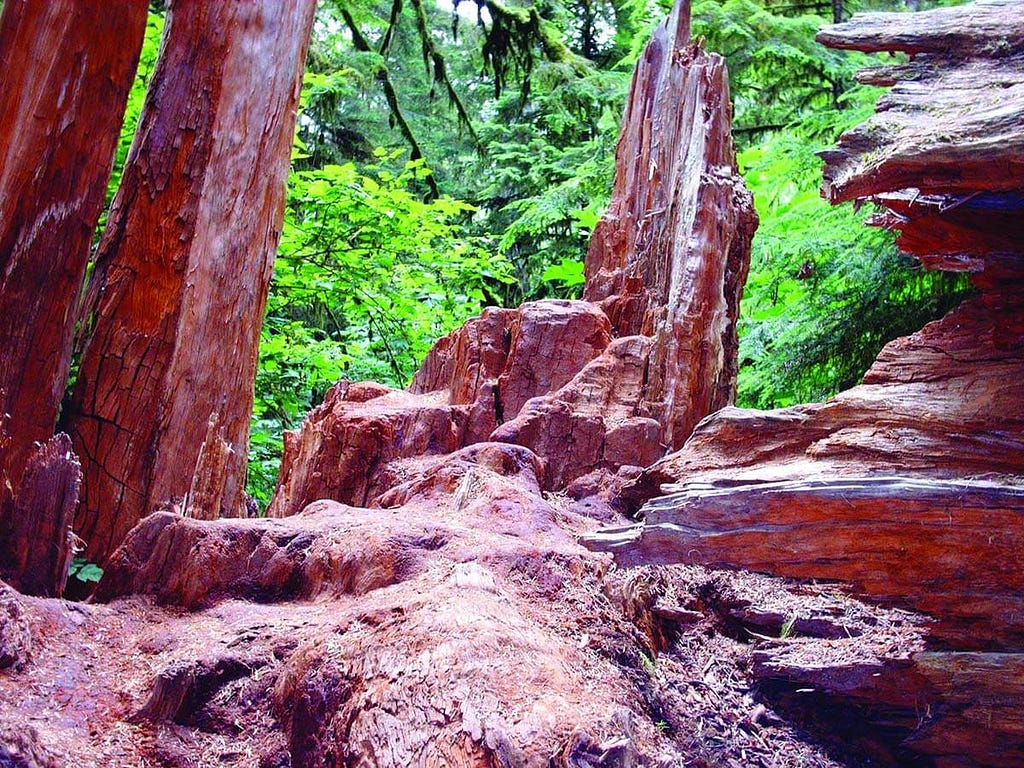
pixel 944 154
pixel 908 486
pixel 36 541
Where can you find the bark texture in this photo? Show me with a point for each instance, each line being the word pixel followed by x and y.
pixel 185 263
pixel 589 386
pixel 65 71
pixel 36 542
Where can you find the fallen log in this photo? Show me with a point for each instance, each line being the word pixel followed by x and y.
pixel 962 709
pixel 947 548
pixel 944 153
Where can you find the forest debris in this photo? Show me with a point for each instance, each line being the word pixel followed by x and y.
pixel 15 637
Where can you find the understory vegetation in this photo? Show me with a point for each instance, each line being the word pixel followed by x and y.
pixel 453 158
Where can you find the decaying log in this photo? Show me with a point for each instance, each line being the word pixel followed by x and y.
pixel 66 67
pixel 15 634
pixel 942 132
pixel 943 402
pixel 186 562
pixel 183 687
pixel 36 540
pixel 589 386
pixel 184 265
pixel 946 548
pixel 955 233
pixel 980 28
pixel 347 440
pixel 944 154
pixel 961 709
pixel 425 644
pixel 906 489
pixel 978 712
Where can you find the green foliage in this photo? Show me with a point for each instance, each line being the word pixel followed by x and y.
pixel 369 276
pixel 84 571
pixel 549 167
pixel 566 274
pixel 778 74
pixel 382 271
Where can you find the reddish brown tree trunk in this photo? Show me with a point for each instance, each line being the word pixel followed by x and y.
pixel 66 67
pixel 185 263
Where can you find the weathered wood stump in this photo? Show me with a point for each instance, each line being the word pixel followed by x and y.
pixel 36 540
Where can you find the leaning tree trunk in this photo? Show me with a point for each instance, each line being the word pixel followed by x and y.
pixel 185 264
pixel 66 67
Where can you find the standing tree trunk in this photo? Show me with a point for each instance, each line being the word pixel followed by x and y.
pixel 185 263
pixel 66 67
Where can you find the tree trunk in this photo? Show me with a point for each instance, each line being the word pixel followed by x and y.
pixel 185 262
pixel 66 67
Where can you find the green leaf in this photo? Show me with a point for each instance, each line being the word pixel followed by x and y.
pixel 566 272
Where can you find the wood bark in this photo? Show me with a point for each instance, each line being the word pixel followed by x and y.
pixel 671 255
pixel 65 71
pixel 185 262
pixel 945 548
pixel 907 487
pixel 36 541
pixel 211 474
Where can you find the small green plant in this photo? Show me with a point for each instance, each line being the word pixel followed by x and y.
pixel 787 627
pixel 648 663
pixel 84 571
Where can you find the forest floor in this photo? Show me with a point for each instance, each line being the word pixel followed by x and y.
pixel 683 653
